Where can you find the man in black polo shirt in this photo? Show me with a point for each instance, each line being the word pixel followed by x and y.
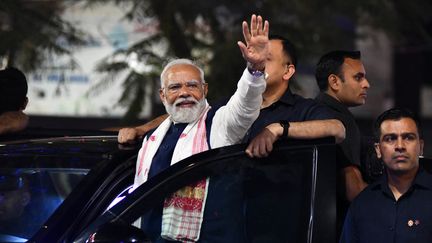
pixel 397 207
pixel 341 78
pixel 284 114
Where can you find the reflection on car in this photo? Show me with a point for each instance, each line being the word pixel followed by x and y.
pixel 79 186
pixel 287 197
pixel 37 176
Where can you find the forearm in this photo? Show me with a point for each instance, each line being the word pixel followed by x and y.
pixel 312 129
pixel 143 129
pixel 232 121
pixel 132 134
pixel 354 182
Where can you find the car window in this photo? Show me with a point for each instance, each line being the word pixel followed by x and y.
pixel 51 186
pixel 28 196
pixel 247 200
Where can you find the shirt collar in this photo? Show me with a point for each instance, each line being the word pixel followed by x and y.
pixel 422 180
pixel 287 98
pixel 332 103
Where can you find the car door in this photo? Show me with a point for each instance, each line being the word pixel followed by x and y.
pixel 66 183
pixel 287 197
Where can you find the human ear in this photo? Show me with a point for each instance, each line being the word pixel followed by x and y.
pixel 289 72
pixel 333 82
pixel 377 150
pixel 161 95
pixel 205 89
pixel 421 147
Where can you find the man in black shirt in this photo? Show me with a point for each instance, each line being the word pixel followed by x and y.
pixel 396 208
pixel 341 78
pixel 284 114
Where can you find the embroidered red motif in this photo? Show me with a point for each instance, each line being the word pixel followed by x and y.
pixel 188 198
pixel 152 138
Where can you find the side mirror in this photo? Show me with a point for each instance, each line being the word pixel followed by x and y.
pixel 118 233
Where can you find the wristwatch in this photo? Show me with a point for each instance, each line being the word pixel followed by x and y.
pixel 255 73
pixel 285 125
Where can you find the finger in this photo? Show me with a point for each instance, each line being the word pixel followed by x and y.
pixel 249 152
pixel 259 25
pixel 243 48
pixel 246 32
pixel 120 136
pixel 250 149
pixel 130 137
pixel 253 27
pixel 269 146
pixel 262 149
pixel 266 28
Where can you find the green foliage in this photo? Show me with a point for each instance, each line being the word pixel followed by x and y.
pixel 29 30
pixel 208 31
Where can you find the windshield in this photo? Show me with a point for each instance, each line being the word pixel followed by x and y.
pixel 28 196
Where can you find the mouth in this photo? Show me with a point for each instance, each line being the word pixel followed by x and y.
pixel 185 104
pixel 400 158
pixel 363 95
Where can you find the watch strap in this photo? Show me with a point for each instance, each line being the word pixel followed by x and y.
pixel 255 72
pixel 285 125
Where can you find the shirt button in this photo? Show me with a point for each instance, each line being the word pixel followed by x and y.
pixel 391 228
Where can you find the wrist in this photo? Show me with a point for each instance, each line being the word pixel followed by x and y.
pixel 275 129
pixel 285 128
pixel 260 67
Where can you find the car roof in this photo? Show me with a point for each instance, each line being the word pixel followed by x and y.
pixel 78 151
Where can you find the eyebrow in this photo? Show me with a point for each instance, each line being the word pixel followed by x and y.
pixel 188 81
pixel 402 134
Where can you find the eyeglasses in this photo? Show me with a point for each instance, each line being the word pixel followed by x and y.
pixel 192 86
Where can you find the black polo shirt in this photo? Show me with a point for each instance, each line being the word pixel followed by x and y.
pixel 351 146
pixel 290 107
pixel 375 215
pixel 293 108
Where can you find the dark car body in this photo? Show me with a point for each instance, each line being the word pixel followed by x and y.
pixel 287 197
pixel 78 169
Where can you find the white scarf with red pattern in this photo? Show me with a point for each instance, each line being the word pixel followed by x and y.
pixel 184 210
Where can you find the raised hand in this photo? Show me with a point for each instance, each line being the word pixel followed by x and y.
pixel 255 50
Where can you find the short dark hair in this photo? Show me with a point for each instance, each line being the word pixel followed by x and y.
pixel 288 48
pixel 331 63
pixel 13 89
pixel 395 114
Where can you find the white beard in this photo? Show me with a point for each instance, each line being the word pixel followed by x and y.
pixel 185 115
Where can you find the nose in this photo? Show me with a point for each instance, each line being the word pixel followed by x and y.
pixel 184 92
pixel 366 84
pixel 400 145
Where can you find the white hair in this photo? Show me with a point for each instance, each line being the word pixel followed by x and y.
pixel 180 61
